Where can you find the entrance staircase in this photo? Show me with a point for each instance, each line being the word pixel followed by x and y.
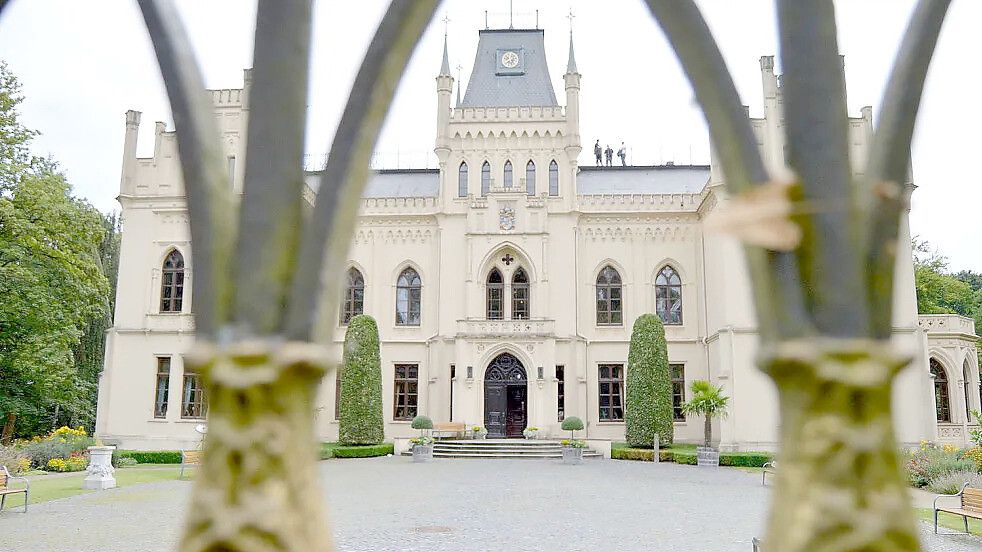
pixel 501 448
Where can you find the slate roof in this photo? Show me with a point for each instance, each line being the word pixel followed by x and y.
pixel 657 179
pixel 394 183
pixel 533 88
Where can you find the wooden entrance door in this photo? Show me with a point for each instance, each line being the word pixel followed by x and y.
pixel 505 397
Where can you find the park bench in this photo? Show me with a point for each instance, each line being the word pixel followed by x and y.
pixel 769 468
pixel 971 506
pixel 190 458
pixel 5 479
pixel 449 429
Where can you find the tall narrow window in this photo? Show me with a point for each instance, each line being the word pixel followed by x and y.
pixel 668 296
pixel 520 297
pixel 496 291
pixel 530 178
pixel 678 390
pixel 560 392
pixel 611 392
pixel 485 178
pixel 406 391
pixel 553 178
pixel 231 172
pixel 337 392
pixel 941 401
pixel 409 290
pixel 172 283
pixel 354 296
pixel 508 175
pixel 453 376
pixel 462 180
pixel 967 374
pixel 163 388
pixel 194 404
pixel 609 297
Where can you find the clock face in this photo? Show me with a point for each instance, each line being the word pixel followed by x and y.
pixel 509 60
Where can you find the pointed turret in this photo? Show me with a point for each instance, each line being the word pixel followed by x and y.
pixel 572 81
pixel 445 68
pixel 571 64
pixel 444 91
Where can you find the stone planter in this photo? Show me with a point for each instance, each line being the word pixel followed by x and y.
pixel 707 456
pixel 572 455
pixel 530 435
pixel 422 453
pixel 100 471
pixel 481 435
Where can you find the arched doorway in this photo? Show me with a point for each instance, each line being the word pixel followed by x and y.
pixel 505 397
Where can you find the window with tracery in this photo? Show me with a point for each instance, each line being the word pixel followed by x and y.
pixel 668 296
pixel 409 290
pixel 509 177
pixel 520 297
pixel 530 178
pixel 172 283
pixel 553 178
pixel 941 399
pixel 485 178
pixel 354 296
pixel 495 299
pixel 462 180
pixel 609 297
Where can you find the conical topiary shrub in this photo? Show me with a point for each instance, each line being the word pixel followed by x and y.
pixel 360 410
pixel 649 385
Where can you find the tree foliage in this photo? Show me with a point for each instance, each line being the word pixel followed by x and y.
pixel 649 385
pixel 708 401
pixel 51 279
pixel 360 417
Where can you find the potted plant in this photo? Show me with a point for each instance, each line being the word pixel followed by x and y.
pixel 422 445
pixel 708 401
pixel 479 432
pixel 572 448
pixel 530 432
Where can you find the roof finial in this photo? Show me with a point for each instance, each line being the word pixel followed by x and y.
pixel 570 17
pixel 459 82
pixel 445 67
pixel 511 14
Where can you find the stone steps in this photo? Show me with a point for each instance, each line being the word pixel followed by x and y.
pixel 501 448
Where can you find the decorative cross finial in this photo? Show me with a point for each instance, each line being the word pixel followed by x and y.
pixel 570 17
pixel 446 24
pixel 511 14
pixel 508 259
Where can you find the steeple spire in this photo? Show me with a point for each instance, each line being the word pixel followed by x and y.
pixel 571 64
pixel 445 68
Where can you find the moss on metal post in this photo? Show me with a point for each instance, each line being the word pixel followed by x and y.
pixel 840 486
pixel 253 490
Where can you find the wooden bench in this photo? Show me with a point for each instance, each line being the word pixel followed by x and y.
pixel 5 479
pixel 971 506
pixel 769 468
pixel 449 429
pixel 190 458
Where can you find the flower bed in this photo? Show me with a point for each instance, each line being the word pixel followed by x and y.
pixel 64 450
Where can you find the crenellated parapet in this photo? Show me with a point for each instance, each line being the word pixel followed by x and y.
pixel 686 203
pixel 508 114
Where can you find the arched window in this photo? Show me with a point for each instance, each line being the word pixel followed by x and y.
pixel 668 296
pixel 530 178
pixel 520 299
pixel 609 297
pixel 354 296
pixel 172 283
pixel 508 174
pixel 462 180
pixel 553 178
pixel 969 386
pixel 941 391
pixel 409 290
pixel 496 291
pixel 485 178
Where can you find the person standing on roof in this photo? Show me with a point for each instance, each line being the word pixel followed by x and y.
pixel 609 154
pixel 622 153
pixel 598 152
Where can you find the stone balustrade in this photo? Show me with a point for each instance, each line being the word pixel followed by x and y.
pixel 539 327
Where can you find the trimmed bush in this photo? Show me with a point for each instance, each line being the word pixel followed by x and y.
pixel 744 459
pixel 688 456
pixel 363 451
pixel 149 456
pixel 360 418
pixel 649 385
pixel 632 454
pixel 422 422
pixel 571 424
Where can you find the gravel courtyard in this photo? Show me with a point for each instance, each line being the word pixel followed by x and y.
pixel 390 504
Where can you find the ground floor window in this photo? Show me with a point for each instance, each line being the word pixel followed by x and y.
pixel 678 390
pixel 406 391
pixel 561 392
pixel 162 390
pixel 611 392
pixel 194 403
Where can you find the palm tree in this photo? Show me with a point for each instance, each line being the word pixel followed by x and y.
pixel 707 400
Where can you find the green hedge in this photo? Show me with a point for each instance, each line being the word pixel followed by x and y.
pixel 687 456
pixel 363 451
pixel 150 456
pixel 360 408
pixel 649 385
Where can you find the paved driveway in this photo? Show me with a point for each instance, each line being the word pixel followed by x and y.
pixel 501 505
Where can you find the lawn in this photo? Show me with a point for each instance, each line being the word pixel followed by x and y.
pixel 950 521
pixel 53 487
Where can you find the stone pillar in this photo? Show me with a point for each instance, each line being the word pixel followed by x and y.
pixel 100 471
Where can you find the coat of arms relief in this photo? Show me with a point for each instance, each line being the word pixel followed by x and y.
pixel 506 218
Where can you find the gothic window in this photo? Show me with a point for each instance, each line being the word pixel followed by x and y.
pixel 611 392
pixel 194 404
pixel 406 391
pixel 941 392
pixel 520 307
pixel 668 296
pixel 561 392
pixel 553 178
pixel 231 172
pixel 967 374
pixel 163 388
pixel 609 297
pixel 530 178
pixel 678 390
pixel 508 174
pixel 462 180
pixel 354 296
pixel 496 291
pixel 409 291
pixel 485 178
pixel 172 283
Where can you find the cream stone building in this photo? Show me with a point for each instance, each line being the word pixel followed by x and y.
pixel 506 282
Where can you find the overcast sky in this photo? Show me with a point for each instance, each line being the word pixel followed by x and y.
pixel 83 64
